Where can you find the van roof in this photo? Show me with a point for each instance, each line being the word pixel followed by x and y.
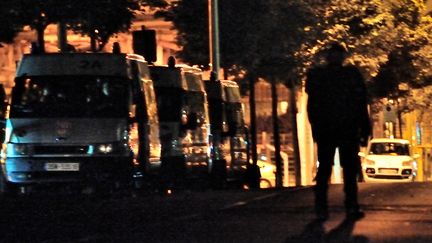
pixel 104 64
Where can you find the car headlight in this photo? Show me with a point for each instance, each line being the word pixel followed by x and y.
pixel 407 163
pixel 369 162
pixel 105 148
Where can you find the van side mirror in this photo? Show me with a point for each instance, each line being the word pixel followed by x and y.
pixel 190 122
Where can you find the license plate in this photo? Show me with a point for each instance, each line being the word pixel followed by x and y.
pixel 388 171
pixel 62 166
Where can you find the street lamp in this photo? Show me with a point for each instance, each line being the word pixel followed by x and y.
pixel 214 36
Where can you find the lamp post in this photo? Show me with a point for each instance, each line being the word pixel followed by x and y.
pixel 214 36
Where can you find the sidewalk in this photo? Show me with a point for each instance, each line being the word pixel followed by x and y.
pixel 395 212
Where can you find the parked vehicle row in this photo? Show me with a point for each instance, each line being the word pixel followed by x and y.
pixel 113 120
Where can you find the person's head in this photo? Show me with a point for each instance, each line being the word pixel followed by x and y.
pixel 336 54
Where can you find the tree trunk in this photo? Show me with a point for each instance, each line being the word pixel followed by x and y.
pixel 253 170
pixel 40 38
pixel 93 46
pixel 293 109
pixel 62 37
pixel 276 138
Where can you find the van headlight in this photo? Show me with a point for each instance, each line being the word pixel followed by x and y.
pixel 105 148
pixel 19 149
pixel 369 162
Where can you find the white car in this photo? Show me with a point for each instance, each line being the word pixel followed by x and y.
pixel 387 160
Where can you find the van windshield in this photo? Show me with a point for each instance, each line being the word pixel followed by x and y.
pixel 235 114
pixel 196 101
pixel 70 96
pixel 389 149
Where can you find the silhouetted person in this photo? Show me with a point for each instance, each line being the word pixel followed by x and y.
pixel 337 110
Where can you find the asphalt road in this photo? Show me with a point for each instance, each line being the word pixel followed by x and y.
pixel 395 212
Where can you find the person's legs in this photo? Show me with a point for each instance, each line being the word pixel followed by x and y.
pixel 326 152
pixel 350 162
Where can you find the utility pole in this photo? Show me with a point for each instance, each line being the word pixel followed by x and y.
pixel 213 13
pixel 214 36
pixel 293 104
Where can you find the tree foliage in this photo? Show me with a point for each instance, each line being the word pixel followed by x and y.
pixel 250 31
pixel 99 19
pixel 8 27
pixel 389 40
pixel 190 19
pixel 392 46
pixel 100 23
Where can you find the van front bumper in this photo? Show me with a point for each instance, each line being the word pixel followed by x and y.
pixel 60 169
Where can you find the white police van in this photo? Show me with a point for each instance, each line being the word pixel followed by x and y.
pixel 79 117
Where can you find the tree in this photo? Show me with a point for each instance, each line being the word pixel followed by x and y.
pixel 8 24
pixel 250 31
pixel 386 38
pixel 190 19
pixel 281 39
pixel 99 19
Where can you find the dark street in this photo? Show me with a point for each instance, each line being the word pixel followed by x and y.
pixel 395 212
pixel 216 121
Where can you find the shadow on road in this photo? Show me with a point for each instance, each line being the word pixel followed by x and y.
pixel 314 232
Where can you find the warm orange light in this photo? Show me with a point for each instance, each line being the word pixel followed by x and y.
pixel 134 142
